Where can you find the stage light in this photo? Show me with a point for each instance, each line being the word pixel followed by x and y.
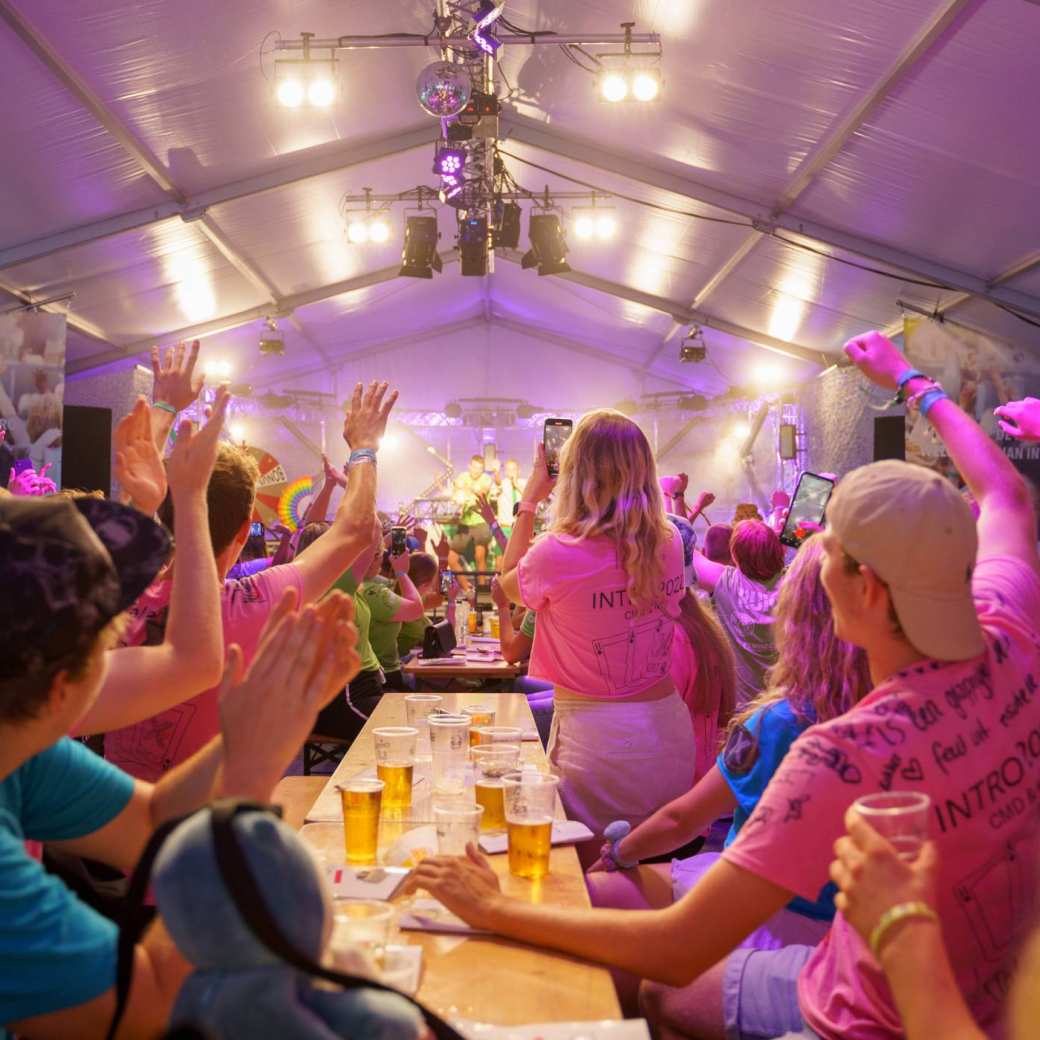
pixel 378 230
pixel 594 223
pixel 473 246
pixel 739 431
pixel 357 232
pixel 548 245
pixel 693 349
pixel 646 86
pixel 419 258
pixel 614 87
pixel 506 234
pixel 217 371
pixel 448 164
pixel 606 226
pixel 584 227
pixel 443 89
pixel 767 372
pixel 237 432
pixel 389 441
pixel 290 93
pixel 321 91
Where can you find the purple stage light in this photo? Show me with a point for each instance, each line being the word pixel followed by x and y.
pixel 486 41
pixel 449 163
pixel 487 12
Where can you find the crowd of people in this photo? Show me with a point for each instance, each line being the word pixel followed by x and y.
pixel 687 684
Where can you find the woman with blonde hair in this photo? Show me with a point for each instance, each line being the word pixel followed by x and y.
pixel 817 677
pixel 606 580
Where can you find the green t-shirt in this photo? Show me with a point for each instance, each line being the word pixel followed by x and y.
pixel 412 634
pixel 362 620
pixel 383 604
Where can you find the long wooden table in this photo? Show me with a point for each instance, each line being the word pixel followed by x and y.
pixel 458 667
pixel 490 979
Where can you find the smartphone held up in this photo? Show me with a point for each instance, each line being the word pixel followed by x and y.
pixel 554 437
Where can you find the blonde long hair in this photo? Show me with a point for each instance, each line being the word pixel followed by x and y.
pixel 608 487
pixel 818 674
pixel 715 688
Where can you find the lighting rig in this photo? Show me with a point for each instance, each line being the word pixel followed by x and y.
pixel 459 89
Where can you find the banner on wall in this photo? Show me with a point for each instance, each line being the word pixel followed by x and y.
pixel 32 388
pixel 978 373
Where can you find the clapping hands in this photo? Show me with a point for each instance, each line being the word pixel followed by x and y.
pixel 139 467
pixel 175 381
pixel 191 461
pixel 1020 419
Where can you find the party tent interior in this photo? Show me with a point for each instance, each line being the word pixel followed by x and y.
pixel 806 171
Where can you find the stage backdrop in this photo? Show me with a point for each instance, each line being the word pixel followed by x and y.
pixel 979 374
pixel 32 385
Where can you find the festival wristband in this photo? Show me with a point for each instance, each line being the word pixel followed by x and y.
pixel 905 377
pixel 893 915
pixel 929 399
pixel 165 406
pixel 362 455
pixel 526 507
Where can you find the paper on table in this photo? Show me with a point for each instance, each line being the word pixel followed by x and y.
pixel 429 915
pixel 564 832
pixel 365 882
pixel 629 1029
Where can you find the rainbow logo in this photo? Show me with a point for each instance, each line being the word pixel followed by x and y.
pixel 291 504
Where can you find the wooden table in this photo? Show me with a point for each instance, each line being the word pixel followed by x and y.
pixel 490 979
pixel 460 668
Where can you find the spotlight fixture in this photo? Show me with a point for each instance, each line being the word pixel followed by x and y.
pixel 473 246
pixel 692 403
pixel 453 410
pixel 507 225
pixel 307 79
pixel 548 245
pixel 448 164
pixel 693 348
pixel 443 89
pixel 366 225
pixel 614 87
pixel 594 223
pixel 271 339
pixel 630 85
pixel 419 258
pixel 487 13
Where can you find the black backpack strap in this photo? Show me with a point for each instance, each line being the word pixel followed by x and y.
pixel 249 901
pixel 133 920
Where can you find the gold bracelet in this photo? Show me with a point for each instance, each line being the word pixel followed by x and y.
pixel 895 914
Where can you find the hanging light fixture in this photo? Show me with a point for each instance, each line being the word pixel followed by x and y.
pixel 308 79
pixel 368 224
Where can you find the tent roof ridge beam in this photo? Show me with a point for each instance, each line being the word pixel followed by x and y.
pixel 669 175
pixel 312 162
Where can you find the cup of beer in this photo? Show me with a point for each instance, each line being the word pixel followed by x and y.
pixel 495 735
pixel 417 707
pixel 495 627
pixel 492 762
pixel 361 798
pixel 449 742
pixel 395 763
pixel 479 715
pixel 530 804
pixel 457 825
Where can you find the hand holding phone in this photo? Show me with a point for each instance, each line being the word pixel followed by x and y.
pixel 554 437
pixel 807 509
pixel 398 541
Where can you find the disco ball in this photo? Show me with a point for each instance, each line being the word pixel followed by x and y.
pixel 443 89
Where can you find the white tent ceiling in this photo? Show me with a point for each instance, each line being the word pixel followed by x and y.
pixel 148 171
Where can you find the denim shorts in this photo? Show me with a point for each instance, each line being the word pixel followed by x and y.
pixel 760 994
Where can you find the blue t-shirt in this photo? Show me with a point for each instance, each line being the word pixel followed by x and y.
pixel 752 755
pixel 55 951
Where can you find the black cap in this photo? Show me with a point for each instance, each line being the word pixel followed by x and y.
pixel 67 567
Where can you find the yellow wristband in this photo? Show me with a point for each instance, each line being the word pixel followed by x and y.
pixel 895 914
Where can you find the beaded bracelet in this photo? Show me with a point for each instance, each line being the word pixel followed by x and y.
pixel 165 406
pixel 895 914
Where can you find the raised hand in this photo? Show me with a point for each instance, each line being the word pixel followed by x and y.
pixel 175 379
pixel 139 466
pixel 872 878
pixel 366 418
pixel 191 461
pixel 878 358
pixel 267 711
pixel 30 483
pixel 1020 419
pixel 332 474
pixel 486 510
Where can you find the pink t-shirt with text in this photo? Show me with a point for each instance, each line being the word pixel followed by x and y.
pixel 590 639
pixel 150 748
pixel 968 735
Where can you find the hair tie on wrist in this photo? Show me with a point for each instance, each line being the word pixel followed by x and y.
pixel 165 406
pixel 362 455
pixel 893 915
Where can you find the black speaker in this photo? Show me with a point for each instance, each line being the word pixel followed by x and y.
pixel 86 448
pixel 889 437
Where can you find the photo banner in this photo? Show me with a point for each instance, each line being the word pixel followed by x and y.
pixel 32 390
pixel 979 374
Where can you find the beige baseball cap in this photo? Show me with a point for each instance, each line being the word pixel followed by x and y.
pixel 914 530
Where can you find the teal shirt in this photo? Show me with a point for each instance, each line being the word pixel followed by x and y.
pixel 55 951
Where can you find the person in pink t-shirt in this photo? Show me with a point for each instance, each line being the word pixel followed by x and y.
pixel 606 580
pixel 150 748
pixel 948 616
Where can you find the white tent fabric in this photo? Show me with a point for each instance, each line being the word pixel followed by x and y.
pixel 149 171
